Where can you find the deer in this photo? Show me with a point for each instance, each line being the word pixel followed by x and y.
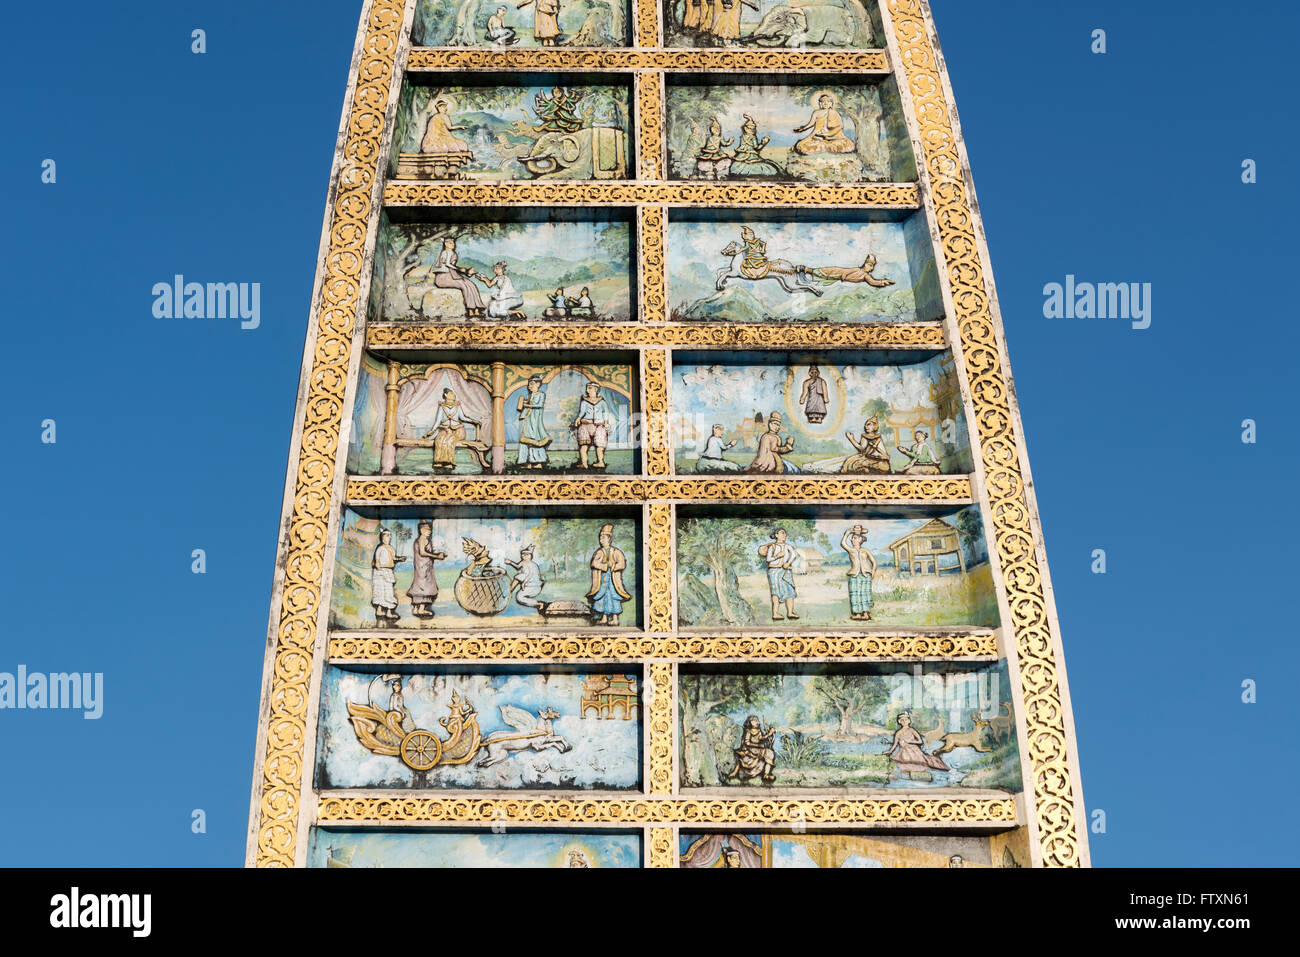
pixel 936 733
pixel 1002 725
pixel 965 739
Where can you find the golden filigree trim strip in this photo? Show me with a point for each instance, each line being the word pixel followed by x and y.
pixel 691 811
pixel 717 335
pixel 659 562
pixel 661 852
pixel 651 262
pixel 427 59
pixel 599 647
pixel 1053 792
pixel 647 23
pixel 650 143
pixel 630 193
pixel 955 490
pixel 660 728
pixel 654 364
pixel 304 559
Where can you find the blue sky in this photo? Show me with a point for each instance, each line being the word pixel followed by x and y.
pixel 172 434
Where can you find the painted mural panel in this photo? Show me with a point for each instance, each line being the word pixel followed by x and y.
pixel 768 24
pixel 525 23
pixel 559 417
pixel 837 729
pixel 552 265
pixel 779 849
pixel 480 848
pixel 820 132
pixel 751 268
pixel 771 568
pixel 526 128
pixel 457 730
pixel 838 414
pixel 491 569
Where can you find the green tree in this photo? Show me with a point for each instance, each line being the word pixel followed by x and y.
pixel 861 104
pixel 691 110
pixel 722 546
pixel 705 694
pixel 564 541
pixel 411 247
pixel 844 696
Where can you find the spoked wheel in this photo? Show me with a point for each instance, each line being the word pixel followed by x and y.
pixel 421 750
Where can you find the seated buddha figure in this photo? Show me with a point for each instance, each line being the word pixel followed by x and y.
pixel 825 130
pixel 438 136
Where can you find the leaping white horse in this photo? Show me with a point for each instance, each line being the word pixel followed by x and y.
pixel 527 736
pixel 778 269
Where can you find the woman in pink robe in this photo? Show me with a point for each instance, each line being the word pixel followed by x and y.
pixel 906 752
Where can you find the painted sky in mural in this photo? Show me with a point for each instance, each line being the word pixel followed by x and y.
pixel 846 414
pixel 756 271
pixel 778 849
pixel 504 731
pixel 497 133
pixel 909 729
pixel 820 133
pixel 517 848
pixel 767 24
pixel 532 23
pixel 545 408
pixel 449 270
pixel 485 572
pixel 769 569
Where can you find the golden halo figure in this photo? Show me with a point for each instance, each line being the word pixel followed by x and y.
pixel 831 418
pixel 815 103
pixel 825 128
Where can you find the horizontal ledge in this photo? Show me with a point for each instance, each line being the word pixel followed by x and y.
pixel 424 647
pixel 604 60
pixel 713 335
pixel 665 810
pixel 633 192
pixel 416 490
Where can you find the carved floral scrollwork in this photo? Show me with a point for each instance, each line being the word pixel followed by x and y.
pixel 950 490
pixel 716 335
pixel 599 647
pixel 1013 534
pixel 652 810
pixel 631 193
pixel 559 59
pixel 282 762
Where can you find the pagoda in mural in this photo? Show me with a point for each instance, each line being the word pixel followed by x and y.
pixel 656 440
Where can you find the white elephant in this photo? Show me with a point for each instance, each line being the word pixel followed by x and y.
pixel 812 24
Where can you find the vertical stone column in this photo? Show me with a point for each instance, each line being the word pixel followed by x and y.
pixel 388 458
pixel 498 417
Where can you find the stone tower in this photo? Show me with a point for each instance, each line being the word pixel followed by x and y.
pixel 656 495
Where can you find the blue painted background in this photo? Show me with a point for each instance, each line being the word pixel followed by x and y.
pixel 172 434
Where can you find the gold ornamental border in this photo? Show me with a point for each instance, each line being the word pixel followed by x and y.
pixel 930 490
pixel 717 335
pixel 659 730
pixel 1009 508
pixel 334 809
pixel 660 851
pixel 607 60
pixel 633 192
pixel 369 647
pixel 287 683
